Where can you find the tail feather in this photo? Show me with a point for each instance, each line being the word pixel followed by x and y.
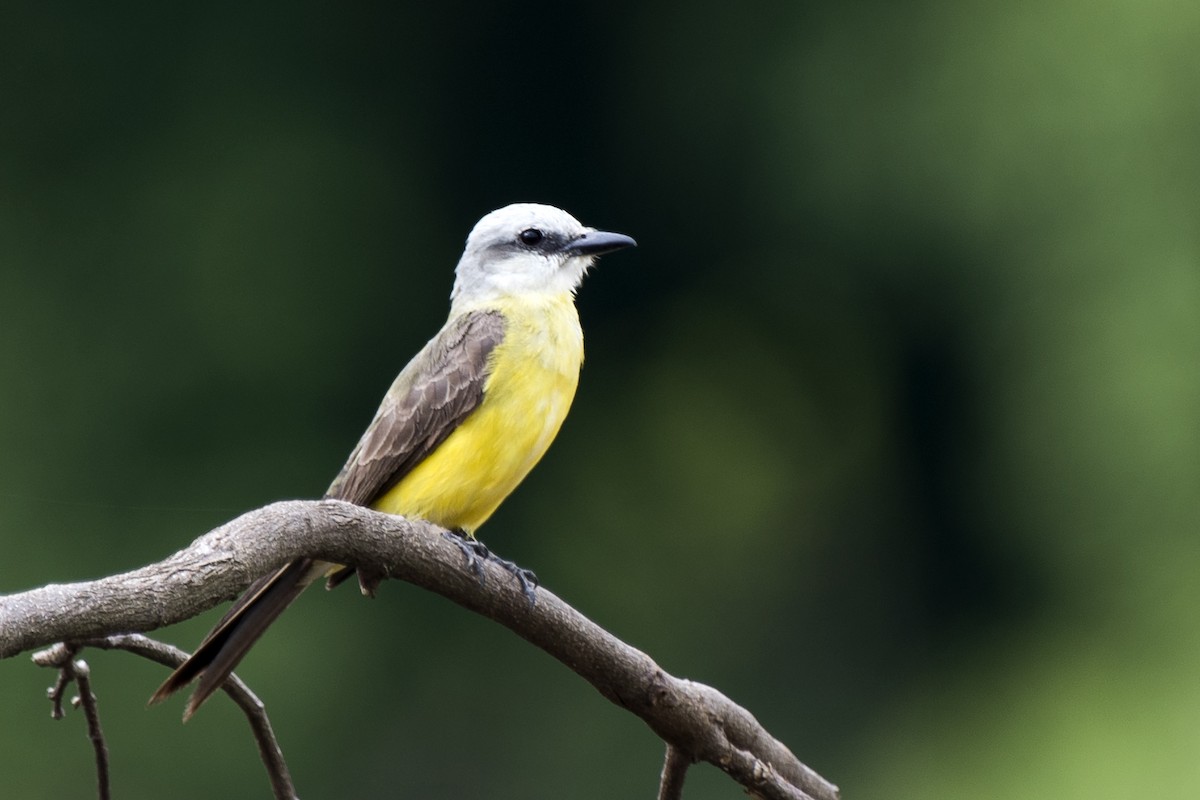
pixel 238 630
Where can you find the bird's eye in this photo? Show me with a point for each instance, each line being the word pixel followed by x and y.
pixel 530 236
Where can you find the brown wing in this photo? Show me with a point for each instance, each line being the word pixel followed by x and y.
pixel 438 389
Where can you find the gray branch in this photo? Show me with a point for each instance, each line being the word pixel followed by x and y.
pixel 696 720
pixel 169 656
pixel 72 670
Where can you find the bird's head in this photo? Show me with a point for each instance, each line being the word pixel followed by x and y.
pixel 528 248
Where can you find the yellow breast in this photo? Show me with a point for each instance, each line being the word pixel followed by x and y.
pixel 534 372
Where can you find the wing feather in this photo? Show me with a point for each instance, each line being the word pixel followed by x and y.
pixel 438 389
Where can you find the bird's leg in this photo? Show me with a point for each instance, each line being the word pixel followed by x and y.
pixel 475 552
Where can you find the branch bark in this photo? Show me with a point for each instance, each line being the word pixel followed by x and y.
pixel 696 720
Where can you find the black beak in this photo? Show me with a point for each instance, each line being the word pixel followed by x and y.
pixel 597 243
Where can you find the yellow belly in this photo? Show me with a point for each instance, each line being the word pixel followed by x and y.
pixel 534 374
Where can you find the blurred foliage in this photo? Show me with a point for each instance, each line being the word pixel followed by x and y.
pixel 888 428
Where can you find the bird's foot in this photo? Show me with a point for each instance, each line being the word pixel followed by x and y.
pixel 476 552
pixel 525 577
pixel 473 551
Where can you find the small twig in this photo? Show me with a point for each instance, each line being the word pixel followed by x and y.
pixel 87 699
pixel 78 672
pixel 675 767
pixel 160 653
pixel 56 692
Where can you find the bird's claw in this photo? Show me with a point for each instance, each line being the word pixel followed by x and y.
pixel 473 550
pixel 476 552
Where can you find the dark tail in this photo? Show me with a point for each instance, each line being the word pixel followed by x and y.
pixel 238 630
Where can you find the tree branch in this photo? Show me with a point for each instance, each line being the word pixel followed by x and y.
pixel 674 771
pixel 698 721
pixel 160 653
pixel 77 671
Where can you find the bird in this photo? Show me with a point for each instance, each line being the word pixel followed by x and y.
pixel 462 424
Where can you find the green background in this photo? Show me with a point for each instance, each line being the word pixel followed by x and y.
pixel 889 429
